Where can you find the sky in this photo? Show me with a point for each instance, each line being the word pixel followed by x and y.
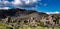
pixel 39 5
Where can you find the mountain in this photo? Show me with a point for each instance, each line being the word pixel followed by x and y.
pixel 17 17
pixel 17 12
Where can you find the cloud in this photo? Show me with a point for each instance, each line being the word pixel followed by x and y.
pixel 19 3
pixel 24 3
pixel 5 3
pixel 16 2
pixel 5 8
pixel 53 12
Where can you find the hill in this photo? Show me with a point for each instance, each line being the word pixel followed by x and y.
pixel 18 17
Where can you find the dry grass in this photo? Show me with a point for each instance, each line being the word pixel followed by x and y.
pixel 4 26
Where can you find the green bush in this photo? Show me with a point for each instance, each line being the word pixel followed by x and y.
pixel 41 24
pixel 9 28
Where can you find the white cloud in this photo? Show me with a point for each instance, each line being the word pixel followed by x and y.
pixel 6 2
pixel 53 12
pixel 34 0
pixel 16 2
pixel 24 2
pixel 29 1
pixel 5 8
pixel 19 3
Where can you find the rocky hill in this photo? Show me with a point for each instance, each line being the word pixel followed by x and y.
pixel 17 16
pixel 17 12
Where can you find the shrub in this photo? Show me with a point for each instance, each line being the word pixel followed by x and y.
pixel 41 24
pixel 9 28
